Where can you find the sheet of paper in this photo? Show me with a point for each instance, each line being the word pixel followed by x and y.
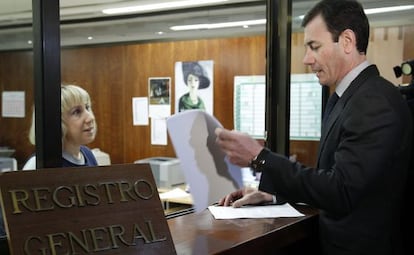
pixel 158 131
pixel 206 168
pixel 13 103
pixel 140 111
pixel 174 193
pixel 264 211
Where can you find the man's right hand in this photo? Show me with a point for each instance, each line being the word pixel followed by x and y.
pixel 239 147
pixel 245 196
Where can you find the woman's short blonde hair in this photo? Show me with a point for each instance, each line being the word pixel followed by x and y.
pixel 71 95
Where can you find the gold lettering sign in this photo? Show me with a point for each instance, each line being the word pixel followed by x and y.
pixel 91 210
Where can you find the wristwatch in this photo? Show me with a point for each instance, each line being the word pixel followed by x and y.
pixel 258 162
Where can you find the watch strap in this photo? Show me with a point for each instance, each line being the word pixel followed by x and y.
pixel 258 162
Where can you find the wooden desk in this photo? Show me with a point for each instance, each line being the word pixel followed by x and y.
pixel 201 234
pixel 173 204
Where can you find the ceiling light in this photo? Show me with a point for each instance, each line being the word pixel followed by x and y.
pixel 219 25
pixel 159 6
pixel 381 10
pixel 389 9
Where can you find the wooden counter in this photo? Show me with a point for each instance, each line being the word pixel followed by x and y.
pixel 201 234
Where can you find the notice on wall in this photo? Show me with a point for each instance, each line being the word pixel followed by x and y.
pixel 305 106
pixel 140 111
pixel 159 131
pixel 250 105
pixel 159 93
pixel 13 104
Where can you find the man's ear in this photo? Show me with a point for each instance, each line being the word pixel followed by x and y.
pixel 348 40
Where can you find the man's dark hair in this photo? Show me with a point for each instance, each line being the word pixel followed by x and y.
pixel 340 15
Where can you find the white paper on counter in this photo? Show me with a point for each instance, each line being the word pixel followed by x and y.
pixel 259 211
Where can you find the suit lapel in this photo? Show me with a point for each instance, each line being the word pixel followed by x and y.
pixel 330 121
pixel 368 72
pixel 332 118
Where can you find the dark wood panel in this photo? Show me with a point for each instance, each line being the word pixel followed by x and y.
pixel 113 75
pixel 305 151
pixel 16 74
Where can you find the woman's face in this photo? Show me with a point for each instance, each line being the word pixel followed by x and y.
pixel 80 123
pixel 193 82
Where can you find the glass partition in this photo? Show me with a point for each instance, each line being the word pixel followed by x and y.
pixel 16 82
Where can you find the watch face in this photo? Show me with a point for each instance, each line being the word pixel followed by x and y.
pixel 406 68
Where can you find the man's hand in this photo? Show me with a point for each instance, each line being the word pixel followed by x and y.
pixel 245 196
pixel 239 147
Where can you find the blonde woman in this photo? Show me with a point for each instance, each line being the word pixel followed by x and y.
pixel 78 129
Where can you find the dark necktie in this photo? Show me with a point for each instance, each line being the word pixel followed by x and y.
pixel 329 106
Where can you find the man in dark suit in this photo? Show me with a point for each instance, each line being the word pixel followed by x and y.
pixel 364 149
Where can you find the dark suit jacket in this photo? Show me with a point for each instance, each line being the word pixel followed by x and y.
pixel 362 165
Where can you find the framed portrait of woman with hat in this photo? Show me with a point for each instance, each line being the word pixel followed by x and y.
pixel 194 86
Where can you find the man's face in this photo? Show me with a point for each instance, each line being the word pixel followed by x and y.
pixel 324 56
